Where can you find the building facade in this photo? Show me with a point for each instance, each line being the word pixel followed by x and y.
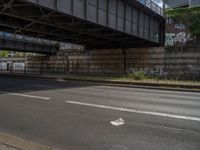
pixel 180 3
pixel 195 2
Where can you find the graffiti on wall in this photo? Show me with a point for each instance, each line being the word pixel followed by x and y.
pixel 179 26
pixel 169 39
pixel 174 38
pixel 171 22
pixel 18 66
pixel 176 33
pixel 155 71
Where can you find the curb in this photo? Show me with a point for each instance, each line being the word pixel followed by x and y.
pixel 15 143
pixel 140 85
pixel 175 87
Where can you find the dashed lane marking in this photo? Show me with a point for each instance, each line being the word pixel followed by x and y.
pixel 30 96
pixel 26 95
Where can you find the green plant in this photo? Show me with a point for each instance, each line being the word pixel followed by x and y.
pixel 4 54
pixel 138 75
pixel 189 16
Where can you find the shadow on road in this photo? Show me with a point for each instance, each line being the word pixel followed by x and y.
pixel 21 85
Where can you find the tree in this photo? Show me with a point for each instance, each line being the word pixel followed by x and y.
pixel 4 53
pixel 189 16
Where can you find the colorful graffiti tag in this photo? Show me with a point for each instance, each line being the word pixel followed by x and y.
pixel 176 33
pixel 172 39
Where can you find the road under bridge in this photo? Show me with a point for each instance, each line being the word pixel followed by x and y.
pixel 92 23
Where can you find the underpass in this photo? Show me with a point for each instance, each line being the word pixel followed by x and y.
pixel 84 116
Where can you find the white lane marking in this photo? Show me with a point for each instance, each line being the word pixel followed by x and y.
pixel 29 96
pixel 135 111
pixel 118 122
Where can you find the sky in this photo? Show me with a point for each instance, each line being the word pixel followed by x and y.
pixel 159 2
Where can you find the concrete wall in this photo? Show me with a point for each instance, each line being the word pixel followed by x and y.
pixel 182 62
pixel 177 34
pixel 114 61
pixel 13 65
pixel 182 51
pixel 170 62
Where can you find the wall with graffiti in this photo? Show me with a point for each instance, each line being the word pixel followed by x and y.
pixel 176 34
pixel 182 52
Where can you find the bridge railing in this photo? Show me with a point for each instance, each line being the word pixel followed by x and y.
pixel 18 37
pixel 152 5
pixel 24 38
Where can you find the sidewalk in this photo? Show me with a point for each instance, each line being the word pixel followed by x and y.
pixel 115 81
pixel 8 142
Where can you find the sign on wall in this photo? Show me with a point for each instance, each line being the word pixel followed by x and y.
pixel 18 66
pixel 3 66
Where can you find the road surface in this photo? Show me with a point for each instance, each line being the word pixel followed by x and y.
pixel 83 116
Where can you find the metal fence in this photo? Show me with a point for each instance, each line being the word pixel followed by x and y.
pixel 152 5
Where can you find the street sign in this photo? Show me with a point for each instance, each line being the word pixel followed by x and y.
pixel 3 66
pixel 18 66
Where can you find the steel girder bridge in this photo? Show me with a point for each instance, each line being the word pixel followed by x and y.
pixel 15 42
pixel 93 23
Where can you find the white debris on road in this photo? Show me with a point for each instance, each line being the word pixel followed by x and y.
pixel 118 122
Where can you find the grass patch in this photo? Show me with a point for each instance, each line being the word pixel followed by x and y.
pixel 138 75
pixel 134 78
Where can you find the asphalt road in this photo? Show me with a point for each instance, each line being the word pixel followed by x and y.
pixel 77 116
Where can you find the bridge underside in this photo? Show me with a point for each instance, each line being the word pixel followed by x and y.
pixel 91 23
pixel 24 46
